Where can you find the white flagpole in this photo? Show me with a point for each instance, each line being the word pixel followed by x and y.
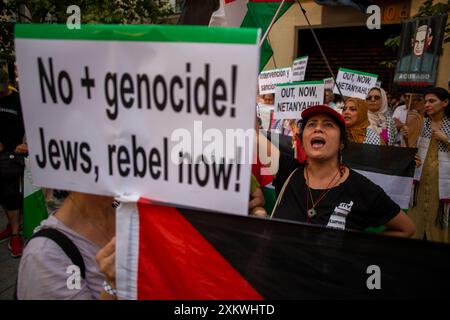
pixel 271 23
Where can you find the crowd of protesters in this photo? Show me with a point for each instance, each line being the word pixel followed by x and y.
pixel 313 186
pixel 416 121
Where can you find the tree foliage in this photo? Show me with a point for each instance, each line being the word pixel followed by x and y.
pixel 103 11
pixel 427 9
pixel 92 11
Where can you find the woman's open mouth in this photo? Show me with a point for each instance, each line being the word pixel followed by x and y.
pixel 317 142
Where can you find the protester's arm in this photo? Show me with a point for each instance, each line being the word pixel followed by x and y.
pixel 383 211
pixel 47 273
pixel 106 260
pixel 256 205
pixel 400 226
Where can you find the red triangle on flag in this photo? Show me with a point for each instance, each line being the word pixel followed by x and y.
pixel 177 262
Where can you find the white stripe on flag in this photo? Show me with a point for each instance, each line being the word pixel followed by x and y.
pixel 218 18
pixel 231 15
pixel 127 250
pixel 396 187
pixel 28 187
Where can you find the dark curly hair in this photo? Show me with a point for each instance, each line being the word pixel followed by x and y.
pixel 442 95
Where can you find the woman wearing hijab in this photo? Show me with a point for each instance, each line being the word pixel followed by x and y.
pixel 324 191
pixel 357 122
pixel 430 209
pixel 379 118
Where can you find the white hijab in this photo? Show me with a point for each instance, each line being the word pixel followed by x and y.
pixel 378 119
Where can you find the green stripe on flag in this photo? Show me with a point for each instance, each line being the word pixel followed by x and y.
pixel 155 33
pixel 34 211
pixel 259 15
pixel 269 198
pixel 298 83
pixel 358 72
pixel 299 58
pixel 34 206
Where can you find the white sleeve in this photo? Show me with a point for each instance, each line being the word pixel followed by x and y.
pixel 47 273
pixel 400 113
pixel 396 113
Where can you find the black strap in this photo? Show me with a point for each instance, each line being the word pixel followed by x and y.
pixel 66 244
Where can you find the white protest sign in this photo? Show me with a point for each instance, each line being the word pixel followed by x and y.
pixel 264 111
pixel 299 69
pixel 354 83
pixel 268 79
pixel 292 99
pixel 328 83
pixel 117 110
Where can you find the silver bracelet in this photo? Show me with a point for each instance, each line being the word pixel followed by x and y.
pixel 109 290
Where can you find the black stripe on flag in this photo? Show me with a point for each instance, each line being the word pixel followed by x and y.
pixel 284 260
pixel 393 161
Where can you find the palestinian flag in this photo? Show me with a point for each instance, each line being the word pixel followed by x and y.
pixel 34 207
pixel 169 253
pixel 252 14
pixel 392 168
pixel 265 181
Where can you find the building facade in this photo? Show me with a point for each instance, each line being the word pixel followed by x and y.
pixel 345 39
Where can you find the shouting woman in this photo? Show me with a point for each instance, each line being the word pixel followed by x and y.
pixel 324 191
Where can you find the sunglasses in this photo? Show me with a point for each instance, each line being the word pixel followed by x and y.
pixel 373 98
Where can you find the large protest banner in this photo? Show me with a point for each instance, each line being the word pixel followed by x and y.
pixel 186 254
pixel 354 83
pixel 268 79
pixel 419 51
pixel 117 110
pixel 292 99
